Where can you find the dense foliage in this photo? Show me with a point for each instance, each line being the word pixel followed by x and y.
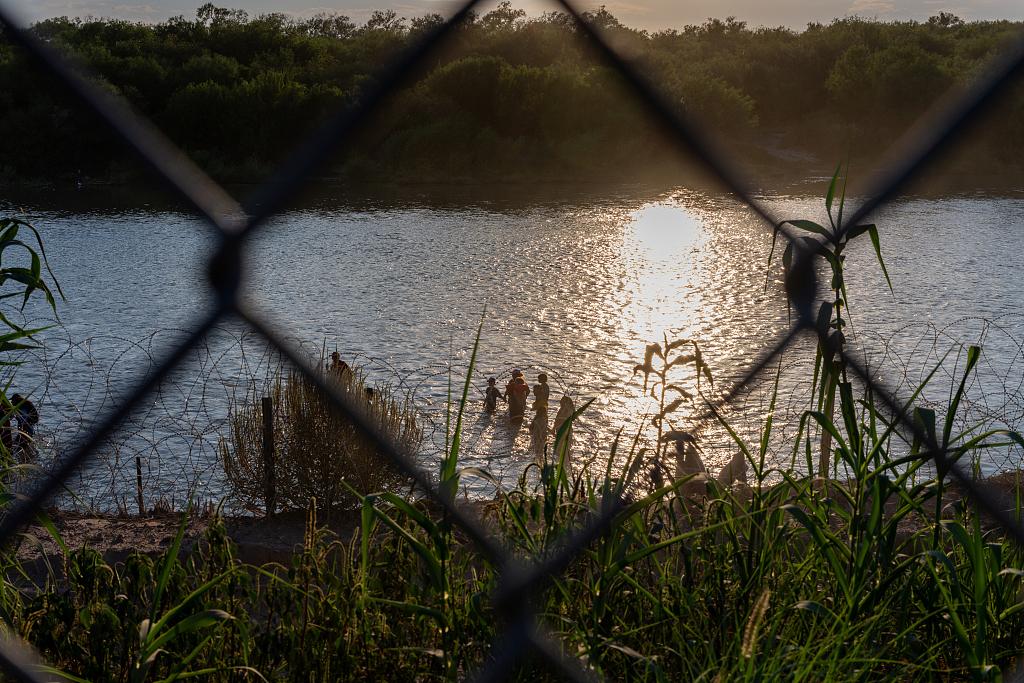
pixel 507 95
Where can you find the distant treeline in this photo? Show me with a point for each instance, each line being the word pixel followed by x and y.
pixel 508 95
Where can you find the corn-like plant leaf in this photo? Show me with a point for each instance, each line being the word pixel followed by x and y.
pixel 449 464
pixel 406 508
pixel 876 243
pixel 827 424
pixel 55 674
pixel 952 602
pixel 924 418
pixel 670 408
pixel 830 194
pixel 809 226
pixel 681 360
pixel 169 615
pixel 682 392
pixel 627 651
pixel 190 624
pixel 165 570
pixel 973 355
pixel 677 343
pixel 51 529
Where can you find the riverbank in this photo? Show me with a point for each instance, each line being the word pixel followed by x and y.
pixel 261 540
pixel 767 167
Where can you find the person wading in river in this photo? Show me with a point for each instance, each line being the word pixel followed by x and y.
pixel 566 408
pixel 516 392
pixel 539 428
pixel 491 395
pixel 541 393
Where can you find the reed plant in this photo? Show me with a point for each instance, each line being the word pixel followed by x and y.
pixel 318 452
pixel 829 242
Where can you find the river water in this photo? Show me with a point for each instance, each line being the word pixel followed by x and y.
pixel 574 284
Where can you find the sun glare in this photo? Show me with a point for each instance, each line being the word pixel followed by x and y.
pixel 664 295
pixel 664 231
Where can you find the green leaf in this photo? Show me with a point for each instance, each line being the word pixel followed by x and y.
pixel 827 544
pixel 827 424
pixel 428 556
pixel 973 355
pixel 191 624
pixel 169 561
pixel 406 508
pixel 809 226
pixel 873 234
pixel 924 419
pixel 831 193
pixel 171 613
pixel 857 231
pixel 57 674
pixel 627 651
pixel 449 465
pixel 837 268
pixel 51 529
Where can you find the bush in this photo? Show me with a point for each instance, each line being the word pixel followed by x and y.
pixel 319 453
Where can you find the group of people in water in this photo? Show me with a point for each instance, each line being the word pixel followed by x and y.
pixel 515 395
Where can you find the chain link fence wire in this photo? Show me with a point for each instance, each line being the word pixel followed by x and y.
pixel 234 222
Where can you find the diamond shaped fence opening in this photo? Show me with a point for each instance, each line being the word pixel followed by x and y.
pixel 236 222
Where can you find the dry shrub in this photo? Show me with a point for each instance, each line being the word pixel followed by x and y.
pixel 317 450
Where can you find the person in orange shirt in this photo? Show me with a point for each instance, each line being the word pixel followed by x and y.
pixel 516 392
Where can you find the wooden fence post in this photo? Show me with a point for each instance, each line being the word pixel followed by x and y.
pixel 270 485
pixel 138 486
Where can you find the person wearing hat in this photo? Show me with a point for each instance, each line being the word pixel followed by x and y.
pixel 516 392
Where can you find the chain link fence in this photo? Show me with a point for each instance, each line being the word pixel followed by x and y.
pixel 236 223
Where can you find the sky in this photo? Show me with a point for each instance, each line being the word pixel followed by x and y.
pixel 651 15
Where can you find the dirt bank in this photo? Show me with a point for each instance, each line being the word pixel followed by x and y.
pixel 276 539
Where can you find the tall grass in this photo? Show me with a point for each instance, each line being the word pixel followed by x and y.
pixel 318 452
pixel 857 580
